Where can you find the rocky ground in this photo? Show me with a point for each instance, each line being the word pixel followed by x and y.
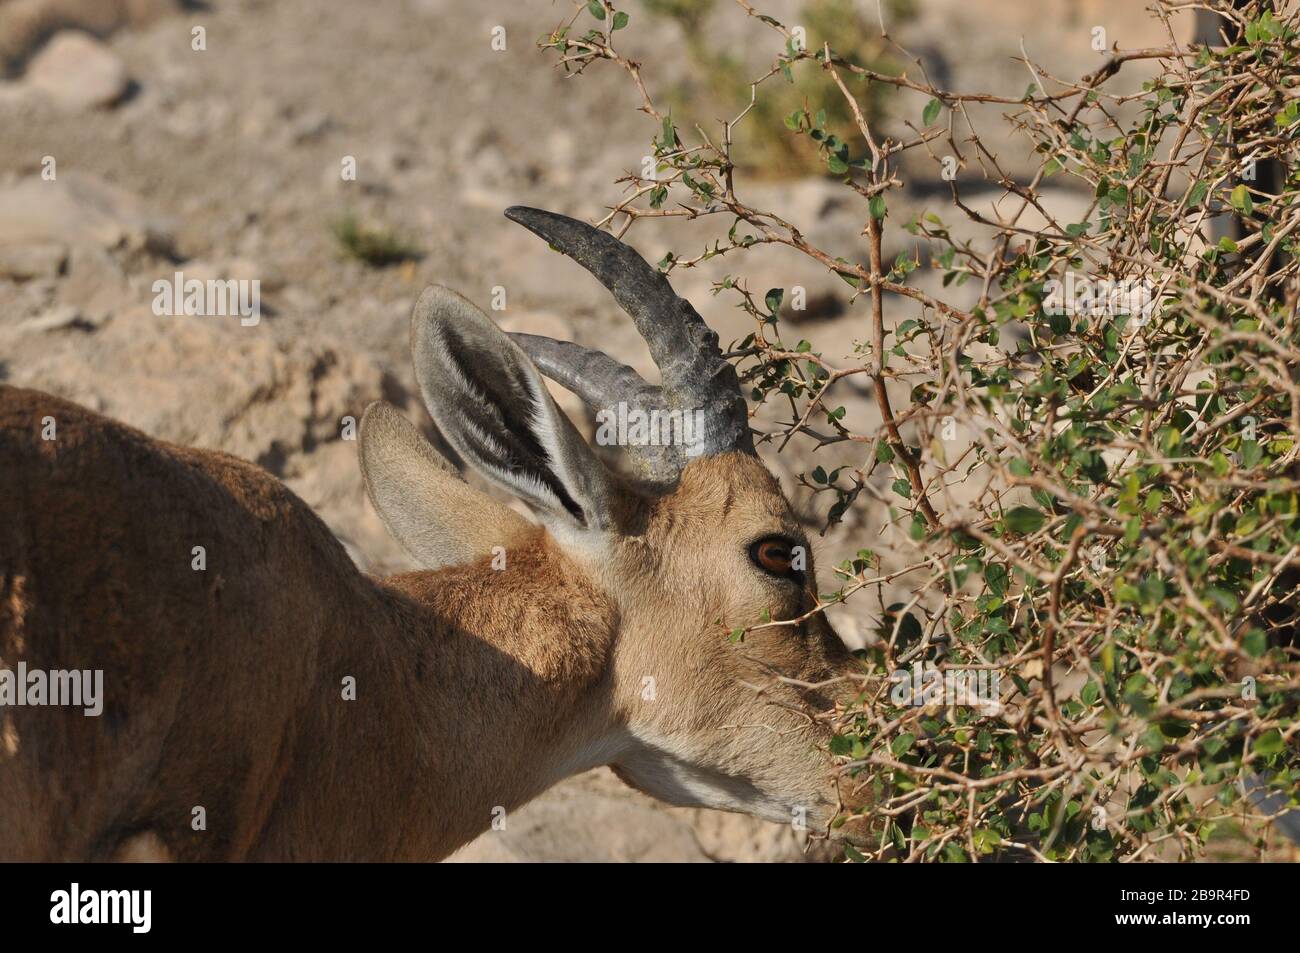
pixel 127 154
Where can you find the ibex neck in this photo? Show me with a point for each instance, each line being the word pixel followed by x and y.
pixel 483 688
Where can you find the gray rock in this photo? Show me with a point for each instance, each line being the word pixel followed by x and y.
pixel 25 24
pixel 61 318
pixel 25 262
pixel 79 208
pixel 207 381
pixel 95 284
pixel 78 72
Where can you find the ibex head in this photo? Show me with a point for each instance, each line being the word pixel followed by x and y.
pixel 700 542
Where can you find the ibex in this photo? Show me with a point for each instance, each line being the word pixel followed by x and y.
pixel 524 652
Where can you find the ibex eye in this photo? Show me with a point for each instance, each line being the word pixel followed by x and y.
pixel 779 557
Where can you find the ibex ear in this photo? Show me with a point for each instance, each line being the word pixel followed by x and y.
pixel 438 518
pixel 490 403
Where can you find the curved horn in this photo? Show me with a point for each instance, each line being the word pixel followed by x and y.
pixel 603 383
pixel 593 375
pixel 685 349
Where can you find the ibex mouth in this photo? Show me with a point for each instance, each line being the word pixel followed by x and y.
pixel 696 378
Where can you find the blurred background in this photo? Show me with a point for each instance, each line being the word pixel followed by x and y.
pixel 143 137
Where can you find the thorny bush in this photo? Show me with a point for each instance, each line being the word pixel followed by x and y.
pixel 1118 536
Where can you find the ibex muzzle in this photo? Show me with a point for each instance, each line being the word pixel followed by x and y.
pixel 521 653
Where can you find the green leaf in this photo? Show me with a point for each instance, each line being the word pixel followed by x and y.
pixel 1153 739
pixel 996 577
pixel 773 299
pixel 986 840
pixel 1267 744
pixel 620 21
pixel 903 744
pixel 877 207
pixel 596 8
pixel 1255 642
pixel 931 112
pixel 1024 519
pixel 1241 201
pixel 1152 589
pixel 1225 600
pixel 917 530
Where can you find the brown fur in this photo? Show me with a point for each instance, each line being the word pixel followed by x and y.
pixel 476 688
pixel 223 687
